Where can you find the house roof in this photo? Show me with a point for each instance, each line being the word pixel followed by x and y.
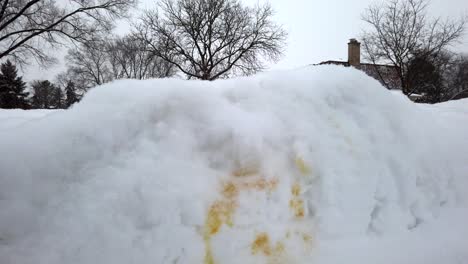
pixel 387 75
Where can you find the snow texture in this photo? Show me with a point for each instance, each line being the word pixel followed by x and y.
pixel 15 117
pixel 319 165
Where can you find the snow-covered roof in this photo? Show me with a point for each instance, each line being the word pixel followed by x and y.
pixel 387 75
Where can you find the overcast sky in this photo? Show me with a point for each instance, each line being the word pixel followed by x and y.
pixel 318 29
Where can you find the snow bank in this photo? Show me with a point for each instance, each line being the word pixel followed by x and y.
pixel 16 117
pixel 320 165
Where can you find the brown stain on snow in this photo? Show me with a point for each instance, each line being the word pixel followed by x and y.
pixel 222 211
pixel 262 244
pixel 245 171
pixel 296 203
pixel 302 166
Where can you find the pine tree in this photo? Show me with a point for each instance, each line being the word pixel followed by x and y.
pixel 12 87
pixel 70 95
pixel 425 78
pixel 44 94
pixel 57 98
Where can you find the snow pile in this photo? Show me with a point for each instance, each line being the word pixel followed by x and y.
pixel 320 165
pixel 12 118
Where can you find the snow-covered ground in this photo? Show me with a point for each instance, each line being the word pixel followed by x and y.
pixel 318 165
pixel 10 119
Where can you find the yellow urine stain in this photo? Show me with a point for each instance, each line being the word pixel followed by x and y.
pixel 245 171
pixel 260 185
pixel 208 254
pixel 221 212
pixel 262 245
pixel 307 238
pixel 296 189
pixel 230 190
pixel 296 203
pixel 302 166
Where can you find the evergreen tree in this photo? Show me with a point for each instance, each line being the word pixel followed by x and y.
pixel 425 78
pixel 12 87
pixel 44 95
pixel 70 94
pixel 57 100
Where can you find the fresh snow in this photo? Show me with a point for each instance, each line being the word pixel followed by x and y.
pixel 15 117
pixel 318 165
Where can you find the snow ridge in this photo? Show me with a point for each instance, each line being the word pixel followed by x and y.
pixel 317 165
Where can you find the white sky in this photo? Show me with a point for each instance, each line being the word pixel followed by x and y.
pixel 318 30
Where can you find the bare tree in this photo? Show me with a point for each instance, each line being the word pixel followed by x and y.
pixel 89 62
pixel 459 78
pixel 129 58
pixel 104 60
pixel 399 29
pixel 69 76
pixel 28 27
pixel 211 39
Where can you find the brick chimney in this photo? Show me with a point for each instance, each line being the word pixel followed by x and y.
pixel 354 52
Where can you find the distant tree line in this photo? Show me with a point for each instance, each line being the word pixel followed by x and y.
pixel 42 95
pixel 30 29
pixel 206 40
pixel 99 62
pixel 198 39
pixel 195 39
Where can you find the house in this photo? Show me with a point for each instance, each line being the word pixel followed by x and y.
pixel 385 74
